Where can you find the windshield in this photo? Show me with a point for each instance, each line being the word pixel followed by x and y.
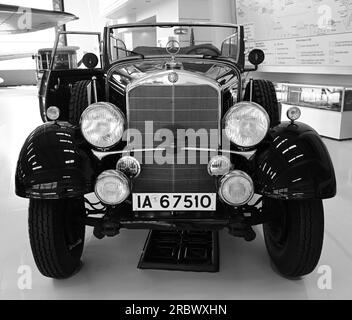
pixel 166 39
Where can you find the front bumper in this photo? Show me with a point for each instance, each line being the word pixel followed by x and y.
pixel 224 217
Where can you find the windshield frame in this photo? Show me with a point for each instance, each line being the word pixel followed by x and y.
pixel 110 28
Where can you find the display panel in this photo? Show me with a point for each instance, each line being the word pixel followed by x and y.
pixel 299 36
pixel 318 97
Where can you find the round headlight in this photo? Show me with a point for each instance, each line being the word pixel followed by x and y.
pixel 103 125
pixel 219 166
pixel 247 124
pixel 236 188
pixel 112 187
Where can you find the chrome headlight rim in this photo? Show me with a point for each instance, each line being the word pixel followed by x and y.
pixel 119 175
pixel 123 161
pixel 233 174
pixel 237 106
pixel 218 158
pixel 113 108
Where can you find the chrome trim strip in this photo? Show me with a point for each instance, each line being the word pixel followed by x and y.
pixel 102 155
pixel 343 100
pixel 183 75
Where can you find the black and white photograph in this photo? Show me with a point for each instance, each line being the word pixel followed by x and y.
pixel 183 151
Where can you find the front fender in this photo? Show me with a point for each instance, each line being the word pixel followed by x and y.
pixel 294 164
pixel 55 163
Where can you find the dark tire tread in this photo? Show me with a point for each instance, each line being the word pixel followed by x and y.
pixel 44 229
pixel 312 242
pixel 302 254
pixel 264 93
pixel 78 101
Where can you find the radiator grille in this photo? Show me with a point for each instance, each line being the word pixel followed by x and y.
pixel 174 107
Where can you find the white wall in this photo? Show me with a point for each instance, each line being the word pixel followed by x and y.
pixel 105 6
pixel 88 12
pixel 165 11
pixel 194 10
pixel 223 11
pixel 143 38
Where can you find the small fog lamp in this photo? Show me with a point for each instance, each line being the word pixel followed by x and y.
pixel 53 113
pixel 294 114
pixel 236 188
pixel 219 166
pixel 129 166
pixel 112 187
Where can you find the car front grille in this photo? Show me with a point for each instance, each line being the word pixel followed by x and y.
pixel 174 107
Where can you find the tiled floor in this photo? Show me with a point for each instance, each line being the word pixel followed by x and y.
pixel 109 270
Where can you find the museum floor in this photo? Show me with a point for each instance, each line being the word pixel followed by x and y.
pixel 109 270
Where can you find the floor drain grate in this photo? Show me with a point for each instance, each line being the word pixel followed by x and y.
pixel 195 251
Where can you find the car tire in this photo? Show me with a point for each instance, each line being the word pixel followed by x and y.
pixel 78 101
pixel 57 236
pixel 294 239
pixel 264 93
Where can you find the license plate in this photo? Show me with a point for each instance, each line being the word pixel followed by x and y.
pixel 174 202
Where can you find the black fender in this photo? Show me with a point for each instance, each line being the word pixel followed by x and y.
pixel 55 163
pixel 294 164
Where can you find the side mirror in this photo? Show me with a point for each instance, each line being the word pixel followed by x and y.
pixel 256 57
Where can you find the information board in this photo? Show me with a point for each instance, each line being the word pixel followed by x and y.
pixel 313 36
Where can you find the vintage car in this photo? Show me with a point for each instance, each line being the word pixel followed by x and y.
pixel 156 128
pixel 66 57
